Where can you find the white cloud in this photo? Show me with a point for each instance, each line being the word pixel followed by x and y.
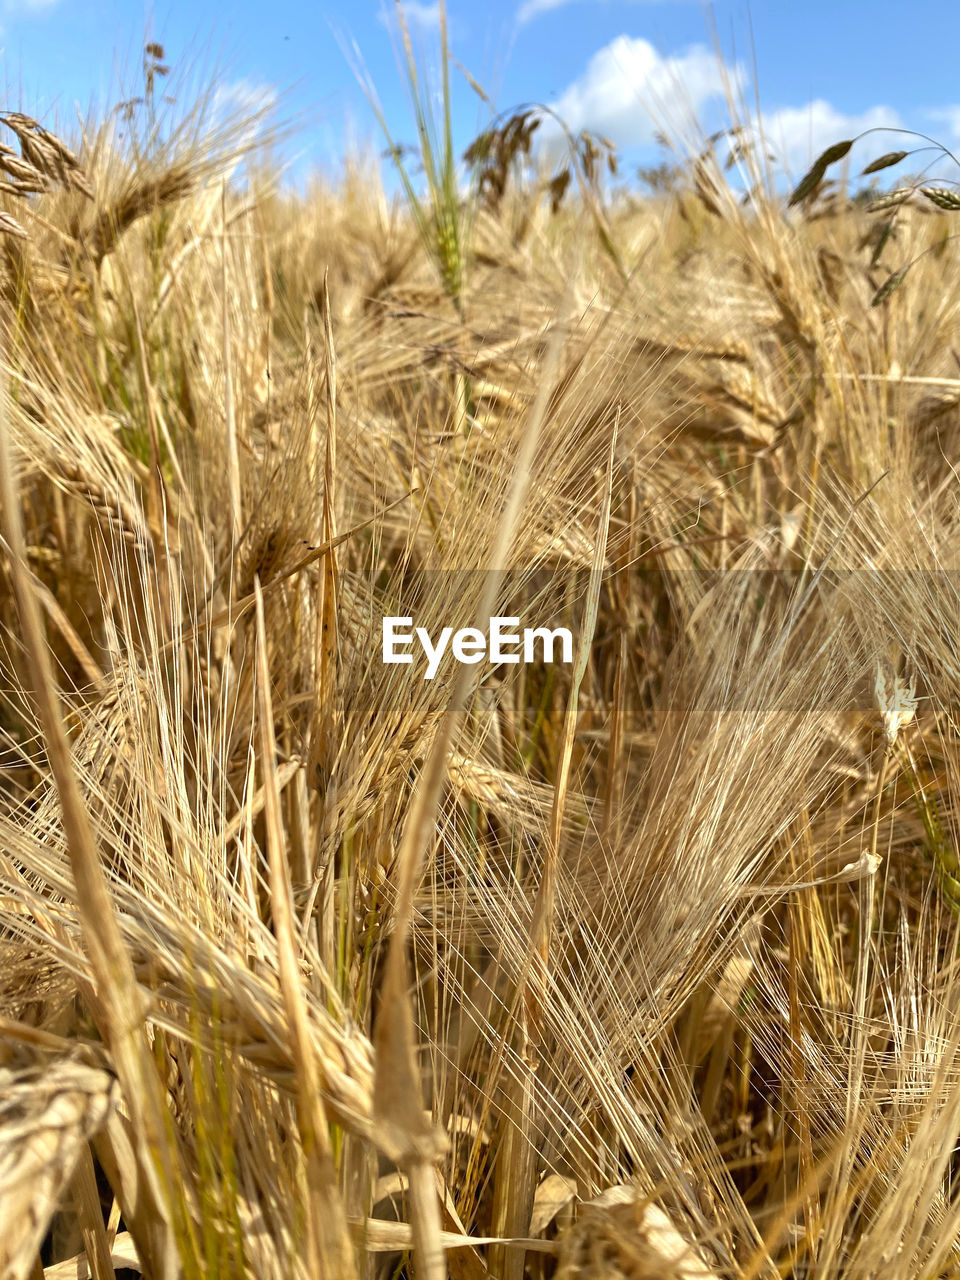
pixel 245 98
pixel 247 103
pixel 797 135
pixel 945 116
pixel 629 91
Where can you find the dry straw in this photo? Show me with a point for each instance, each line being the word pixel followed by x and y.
pixel 637 967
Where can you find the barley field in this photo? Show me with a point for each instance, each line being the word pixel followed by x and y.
pixel 638 967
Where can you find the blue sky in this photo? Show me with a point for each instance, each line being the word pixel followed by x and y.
pixel 822 70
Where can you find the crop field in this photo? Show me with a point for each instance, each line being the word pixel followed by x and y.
pixel 641 965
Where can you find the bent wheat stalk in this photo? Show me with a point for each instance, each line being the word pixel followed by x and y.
pixel 120 1001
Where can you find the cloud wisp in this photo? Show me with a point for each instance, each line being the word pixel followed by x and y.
pixel 797 135
pixel 246 97
pixel 531 9
pixel 420 15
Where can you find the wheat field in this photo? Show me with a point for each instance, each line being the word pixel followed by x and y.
pixel 642 966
